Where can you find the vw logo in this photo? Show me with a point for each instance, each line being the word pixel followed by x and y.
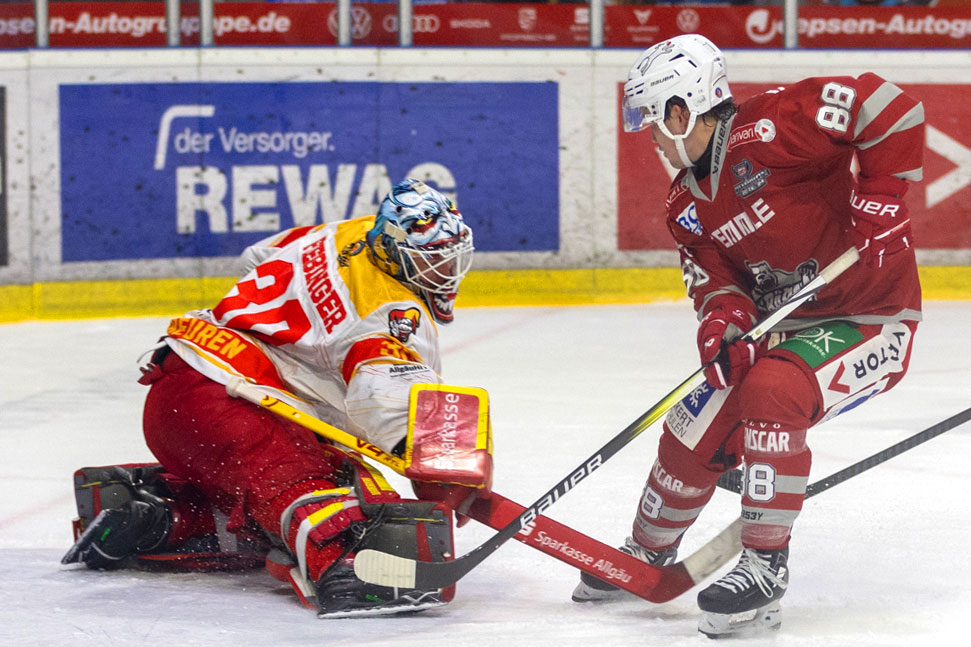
pixel 688 20
pixel 426 23
pixel 360 23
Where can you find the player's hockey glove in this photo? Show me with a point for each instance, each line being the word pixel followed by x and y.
pixel 881 222
pixel 726 358
pixel 139 526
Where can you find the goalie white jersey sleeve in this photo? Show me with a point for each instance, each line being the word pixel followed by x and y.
pixel 316 319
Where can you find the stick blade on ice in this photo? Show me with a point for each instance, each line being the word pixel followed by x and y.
pixel 385 569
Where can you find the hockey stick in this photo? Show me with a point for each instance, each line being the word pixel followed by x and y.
pixel 392 570
pixel 547 536
pixel 662 584
pixel 651 583
pixel 680 577
pixel 240 388
pixel 732 479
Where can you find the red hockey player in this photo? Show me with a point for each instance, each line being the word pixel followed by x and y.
pixel 765 199
pixel 338 320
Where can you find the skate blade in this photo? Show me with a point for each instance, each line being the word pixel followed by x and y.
pixel 382 610
pixel 743 624
pixel 587 594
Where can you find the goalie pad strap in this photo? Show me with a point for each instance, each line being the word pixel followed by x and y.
pixel 313 519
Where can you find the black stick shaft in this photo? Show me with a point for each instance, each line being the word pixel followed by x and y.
pixel 732 479
pixel 888 453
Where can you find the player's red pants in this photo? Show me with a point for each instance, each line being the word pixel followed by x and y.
pixel 814 375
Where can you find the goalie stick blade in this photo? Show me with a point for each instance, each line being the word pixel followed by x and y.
pixel 385 569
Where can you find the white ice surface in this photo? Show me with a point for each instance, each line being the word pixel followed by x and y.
pixel 880 560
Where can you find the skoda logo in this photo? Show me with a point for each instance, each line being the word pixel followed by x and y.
pixel 426 23
pixel 360 23
pixel 527 18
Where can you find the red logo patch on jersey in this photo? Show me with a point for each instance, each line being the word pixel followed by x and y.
pixel 761 131
pixel 403 323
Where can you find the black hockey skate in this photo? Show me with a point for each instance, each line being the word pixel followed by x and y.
pixel 138 526
pixel 593 589
pixel 745 600
pixel 340 594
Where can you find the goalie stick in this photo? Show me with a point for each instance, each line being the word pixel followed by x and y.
pixel 392 570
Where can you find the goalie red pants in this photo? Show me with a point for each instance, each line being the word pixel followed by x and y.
pixel 812 376
pixel 250 463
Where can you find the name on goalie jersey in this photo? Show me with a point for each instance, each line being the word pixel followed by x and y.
pixel 327 302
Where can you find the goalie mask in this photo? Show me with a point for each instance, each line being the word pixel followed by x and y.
pixel 690 67
pixel 419 238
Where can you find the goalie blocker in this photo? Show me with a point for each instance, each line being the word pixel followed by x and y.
pixel 448 450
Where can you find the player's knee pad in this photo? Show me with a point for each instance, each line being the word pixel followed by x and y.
pixel 766 438
pixel 680 469
pixel 778 390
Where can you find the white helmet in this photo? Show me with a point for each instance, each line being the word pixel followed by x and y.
pixel 690 67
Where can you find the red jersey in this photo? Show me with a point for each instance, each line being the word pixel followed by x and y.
pixel 774 208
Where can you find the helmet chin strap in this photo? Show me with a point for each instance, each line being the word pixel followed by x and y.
pixel 679 139
pixel 682 153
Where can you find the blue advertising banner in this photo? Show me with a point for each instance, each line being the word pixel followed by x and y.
pixel 172 170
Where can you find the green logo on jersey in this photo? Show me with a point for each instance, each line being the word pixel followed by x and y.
pixel 818 344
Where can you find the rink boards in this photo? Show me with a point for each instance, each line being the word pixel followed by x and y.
pixel 132 179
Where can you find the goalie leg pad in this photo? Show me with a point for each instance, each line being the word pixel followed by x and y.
pixel 153 521
pixel 414 529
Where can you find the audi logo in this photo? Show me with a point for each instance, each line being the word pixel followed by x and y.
pixel 426 23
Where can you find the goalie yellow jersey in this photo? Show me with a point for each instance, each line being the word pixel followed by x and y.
pixel 309 312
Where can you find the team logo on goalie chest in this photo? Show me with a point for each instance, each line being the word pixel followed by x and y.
pixel 403 323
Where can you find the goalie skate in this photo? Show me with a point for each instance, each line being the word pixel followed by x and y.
pixel 745 601
pixel 342 595
pixel 593 589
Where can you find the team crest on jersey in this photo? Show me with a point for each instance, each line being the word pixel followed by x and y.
pixel 774 287
pixel 350 249
pixel 403 323
pixel 749 179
